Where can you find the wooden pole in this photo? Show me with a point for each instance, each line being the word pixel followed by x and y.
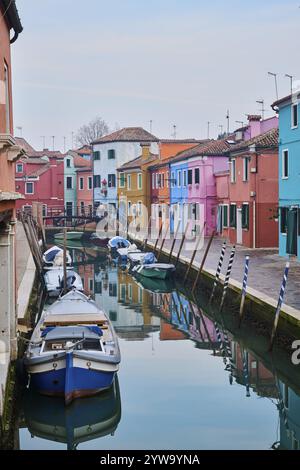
pixel 244 291
pixel 194 254
pixel 218 272
pixel 280 302
pixel 203 260
pixel 65 260
pixel 182 242
pixel 227 277
pixel 174 241
pixel 146 239
pixel 163 241
pixel 159 234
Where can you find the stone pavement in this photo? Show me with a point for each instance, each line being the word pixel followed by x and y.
pixel 25 271
pixel 265 269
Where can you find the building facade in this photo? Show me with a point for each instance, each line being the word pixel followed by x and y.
pixel 10 152
pixel 72 163
pixel 85 191
pixel 289 175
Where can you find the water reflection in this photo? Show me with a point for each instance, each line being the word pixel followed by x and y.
pixel 143 310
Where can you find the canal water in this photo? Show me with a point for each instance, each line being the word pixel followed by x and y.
pixel 176 388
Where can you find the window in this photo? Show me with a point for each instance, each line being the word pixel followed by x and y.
pixel 157 180
pixel 129 208
pixel 140 295
pixel 69 209
pixel 197 175
pixel 190 176
pixel 81 183
pixel 162 180
pixel 29 188
pixel 184 178
pixel 294 110
pixel 44 210
pixel 285 164
pixel 91 285
pixel 123 292
pixel 153 180
pixel 167 178
pixel 97 181
pixel 68 163
pixel 225 216
pixel 98 287
pixel 111 154
pixel 283 219
pixel 173 179
pixel 245 216
pixel 90 182
pixel 69 182
pixel 82 207
pixel 139 208
pixel 112 180
pixel 246 162
pixel 139 181
pixel 130 291
pixel 7 99
pixel 232 215
pixel 179 178
pixel 128 181
pixel 96 155
pixel 112 289
pixel 113 315
pixel 122 180
pixel 233 171
pixel 19 168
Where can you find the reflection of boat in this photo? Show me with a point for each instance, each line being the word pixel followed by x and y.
pixel 72 244
pixel 99 240
pixel 156 285
pixel 69 235
pixel 53 257
pixel 54 280
pixel 84 420
pixel 74 350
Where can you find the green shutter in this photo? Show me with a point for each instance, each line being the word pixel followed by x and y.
pixel 96 155
pixel 225 216
pixel 111 154
pixel 245 216
pixel 291 239
pixel 233 215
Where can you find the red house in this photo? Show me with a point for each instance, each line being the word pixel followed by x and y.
pixel 40 178
pixel 249 217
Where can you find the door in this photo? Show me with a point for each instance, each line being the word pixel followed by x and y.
pixel 69 209
pixel 291 239
pixel 239 230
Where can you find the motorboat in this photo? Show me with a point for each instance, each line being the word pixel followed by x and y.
pixel 124 252
pixel 54 257
pixel 117 242
pixel 74 350
pixel 72 235
pixel 136 258
pixel 149 267
pixel 84 420
pixel 54 281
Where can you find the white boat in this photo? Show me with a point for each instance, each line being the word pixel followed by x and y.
pixel 74 350
pixel 54 280
pixel 148 267
pixel 124 252
pixel 54 258
pixel 117 242
pixel 69 235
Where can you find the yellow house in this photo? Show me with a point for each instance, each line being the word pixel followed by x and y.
pixel 134 191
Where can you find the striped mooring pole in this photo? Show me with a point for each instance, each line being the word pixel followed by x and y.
pixel 280 301
pixel 244 289
pixel 246 372
pixel 227 277
pixel 218 272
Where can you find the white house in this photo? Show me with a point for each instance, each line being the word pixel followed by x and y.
pixel 112 151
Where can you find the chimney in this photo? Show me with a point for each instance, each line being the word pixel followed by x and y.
pixel 145 150
pixel 254 124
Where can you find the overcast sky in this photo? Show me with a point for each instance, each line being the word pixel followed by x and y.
pixel 180 62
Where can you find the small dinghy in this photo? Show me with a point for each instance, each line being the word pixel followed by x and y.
pixel 136 258
pixel 69 235
pixel 54 257
pixel 117 242
pixel 74 350
pixel 124 252
pixel 150 268
pixel 54 280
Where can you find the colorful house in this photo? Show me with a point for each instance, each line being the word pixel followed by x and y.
pixel 111 152
pixel 72 163
pixel 10 27
pixel 289 179
pixel 85 190
pixel 250 218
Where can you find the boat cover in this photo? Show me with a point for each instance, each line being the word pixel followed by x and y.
pixel 76 332
pixel 119 242
pixel 149 258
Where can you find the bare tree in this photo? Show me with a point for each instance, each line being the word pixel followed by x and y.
pixel 92 131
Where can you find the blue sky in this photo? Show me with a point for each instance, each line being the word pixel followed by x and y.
pixel 172 61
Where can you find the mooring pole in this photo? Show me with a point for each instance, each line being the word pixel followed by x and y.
pixel 203 260
pixel 244 291
pixel 246 371
pixel 280 301
pixel 182 242
pixel 194 254
pixel 227 277
pixel 147 235
pixel 163 241
pixel 158 237
pixel 174 241
pixel 65 260
pixel 218 272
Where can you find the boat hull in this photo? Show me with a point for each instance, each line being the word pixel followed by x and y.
pixel 155 274
pixel 69 236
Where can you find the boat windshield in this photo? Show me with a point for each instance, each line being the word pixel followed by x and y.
pixel 67 344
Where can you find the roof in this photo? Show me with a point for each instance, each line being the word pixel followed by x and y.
pixel 268 139
pixel 82 170
pixel 35 160
pixel 40 171
pixel 80 162
pixel 24 144
pixel 254 117
pixel 214 147
pixel 84 150
pixel 283 100
pixel 46 153
pixel 137 162
pixel 128 134
pixel 183 141
pixel 9 8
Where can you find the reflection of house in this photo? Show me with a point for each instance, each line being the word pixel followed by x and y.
pixel 289 418
pixel 168 332
pixel 86 272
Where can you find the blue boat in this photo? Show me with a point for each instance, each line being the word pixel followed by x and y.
pixel 74 350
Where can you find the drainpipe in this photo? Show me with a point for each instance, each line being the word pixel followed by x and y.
pixel 254 224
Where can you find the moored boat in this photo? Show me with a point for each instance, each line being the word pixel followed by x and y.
pixel 74 235
pixel 54 280
pixel 53 257
pixel 155 270
pixel 74 350
pixel 116 243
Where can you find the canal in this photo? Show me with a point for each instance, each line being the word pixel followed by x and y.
pixel 175 388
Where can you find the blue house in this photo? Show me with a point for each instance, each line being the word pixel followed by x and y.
pixel 178 195
pixel 289 175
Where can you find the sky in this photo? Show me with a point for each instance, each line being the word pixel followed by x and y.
pixel 175 62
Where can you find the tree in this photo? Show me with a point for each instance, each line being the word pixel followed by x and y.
pixel 92 131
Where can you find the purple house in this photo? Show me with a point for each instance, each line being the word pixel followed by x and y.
pixel 203 162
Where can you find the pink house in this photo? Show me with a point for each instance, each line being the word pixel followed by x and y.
pixel 85 190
